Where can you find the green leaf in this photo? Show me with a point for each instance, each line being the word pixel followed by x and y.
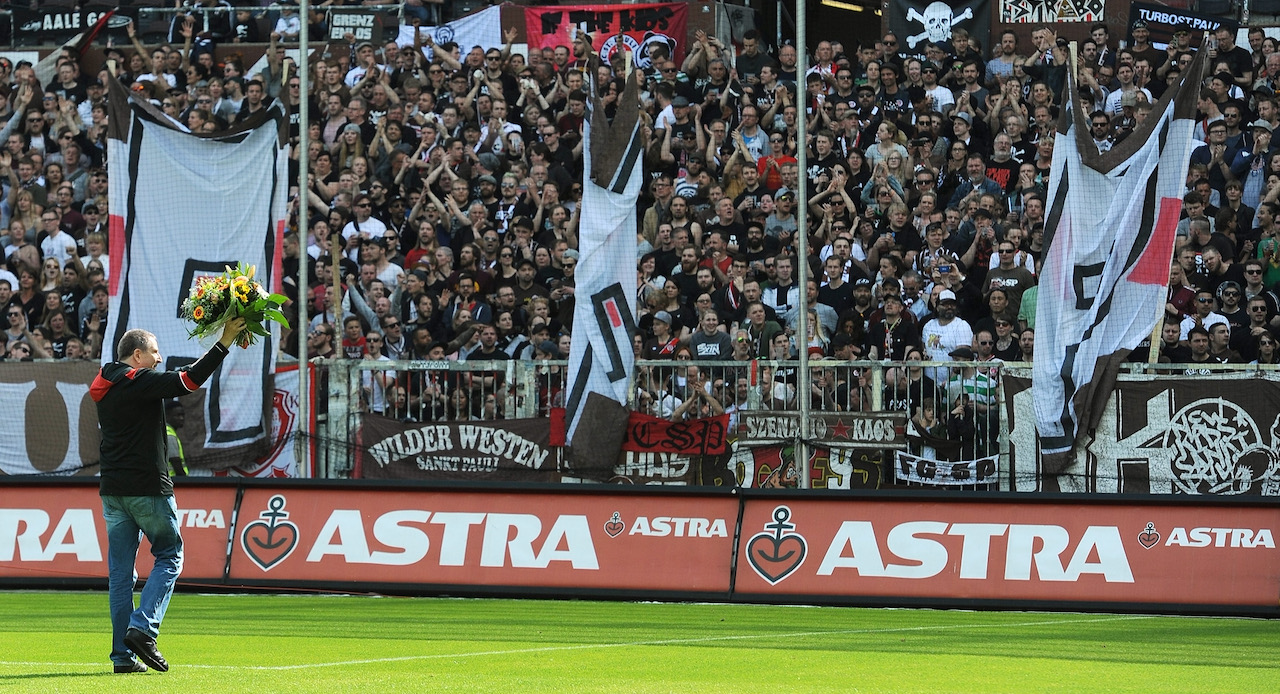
pixel 278 299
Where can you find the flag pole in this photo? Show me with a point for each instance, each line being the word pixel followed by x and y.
pixel 302 442
pixel 802 244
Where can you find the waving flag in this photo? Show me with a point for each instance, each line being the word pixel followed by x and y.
pixel 601 355
pixel 1110 234
pixel 185 205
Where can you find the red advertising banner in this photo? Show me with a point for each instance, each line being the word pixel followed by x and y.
pixel 57 532
pixel 638 25
pixel 950 551
pixel 537 540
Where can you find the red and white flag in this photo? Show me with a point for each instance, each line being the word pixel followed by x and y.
pixel 1109 234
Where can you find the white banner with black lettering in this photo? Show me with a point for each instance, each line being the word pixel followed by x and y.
pixel 946 473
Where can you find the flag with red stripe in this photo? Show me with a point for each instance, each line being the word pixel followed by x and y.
pixel 183 206
pixel 1110 233
pixel 601 355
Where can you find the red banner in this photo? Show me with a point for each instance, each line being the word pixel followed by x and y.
pixel 638 25
pixel 1153 554
pixel 544 540
pixel 649 434
pixel 57 531
pixel 951 551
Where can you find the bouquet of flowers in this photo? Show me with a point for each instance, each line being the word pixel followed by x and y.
pixel 216 299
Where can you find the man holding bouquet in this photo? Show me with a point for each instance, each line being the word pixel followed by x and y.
pixel 136 490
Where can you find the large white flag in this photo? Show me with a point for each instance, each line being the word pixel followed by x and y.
pixel 182 206
pixel 483 28
pixel 601 355
pixel 1109 234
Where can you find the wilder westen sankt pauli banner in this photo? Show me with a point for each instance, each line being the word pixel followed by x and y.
pixel 1215 557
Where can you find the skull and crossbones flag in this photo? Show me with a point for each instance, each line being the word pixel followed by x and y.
pixel 1109 236
pixel 601 355
pixel 917 24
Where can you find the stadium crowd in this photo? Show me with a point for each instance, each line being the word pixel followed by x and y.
pixel 444 192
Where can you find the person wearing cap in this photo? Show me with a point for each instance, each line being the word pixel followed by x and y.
pixel 364 60
pixel 1141 46
pixel 944 333
pixel 664 341
pixel 942 100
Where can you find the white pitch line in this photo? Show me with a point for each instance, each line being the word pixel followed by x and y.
pixel 589 646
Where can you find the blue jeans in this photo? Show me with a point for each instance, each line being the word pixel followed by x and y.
pixel 129 517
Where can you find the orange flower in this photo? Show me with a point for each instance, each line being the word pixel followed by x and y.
pixel 199 292
pixel 198 313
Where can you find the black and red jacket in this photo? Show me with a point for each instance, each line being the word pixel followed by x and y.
pixel 131 418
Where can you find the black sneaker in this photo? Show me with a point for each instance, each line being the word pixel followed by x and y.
pixel 144 647
pixel 135 666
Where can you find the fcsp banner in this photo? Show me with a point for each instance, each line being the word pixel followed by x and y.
pixel 637 26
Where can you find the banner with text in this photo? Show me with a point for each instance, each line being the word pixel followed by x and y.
pixel 546 540
pixel 837 430
pixel 59 24
pixel 56 532
pixel 914 469
pixel 636 26
pixel 649 434
pixel 868 550
pixel 1161 19
pixel 516 450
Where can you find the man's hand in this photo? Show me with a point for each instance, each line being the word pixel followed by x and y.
pixel 230 331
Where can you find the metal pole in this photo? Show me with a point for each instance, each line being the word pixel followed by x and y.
pixel 802 240
pixel 302 443
pixel 778 29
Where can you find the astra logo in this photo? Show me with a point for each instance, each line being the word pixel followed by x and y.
pixel 1245 538
pixel 662 526
pixel 75 533
pixel 506 539
pixel 914 550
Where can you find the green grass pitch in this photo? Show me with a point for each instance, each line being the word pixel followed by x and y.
pixel 59 642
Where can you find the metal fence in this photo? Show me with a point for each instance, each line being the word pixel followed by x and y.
pixel 953 407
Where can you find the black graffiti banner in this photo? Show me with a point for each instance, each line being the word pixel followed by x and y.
pixel 918 23
pixel 507 450
pixel 649 434
pixel 1216 435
